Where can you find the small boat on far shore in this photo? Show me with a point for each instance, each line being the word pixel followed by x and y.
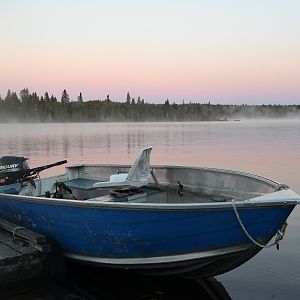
pixel 157 220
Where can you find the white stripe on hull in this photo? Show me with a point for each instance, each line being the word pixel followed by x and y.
pixel 158 259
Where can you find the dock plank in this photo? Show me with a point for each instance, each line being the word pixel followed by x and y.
pixel 7 253
pixel 19 258
pixel 6 239
pixel 23 232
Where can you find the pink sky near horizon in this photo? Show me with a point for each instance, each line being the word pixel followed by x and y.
pixel 198 52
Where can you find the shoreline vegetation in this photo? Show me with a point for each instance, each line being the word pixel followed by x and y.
pixel 29 107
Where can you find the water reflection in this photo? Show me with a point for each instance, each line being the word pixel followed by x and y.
pixel 88 283
pixel 116 284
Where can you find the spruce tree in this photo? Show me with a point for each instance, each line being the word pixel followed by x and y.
pixel 80 99
pixel 24 95
pixel 46 97
pixel 65 97
pixel 128 98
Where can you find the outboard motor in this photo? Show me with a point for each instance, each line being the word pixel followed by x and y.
pixel 14 171
pixel 9 167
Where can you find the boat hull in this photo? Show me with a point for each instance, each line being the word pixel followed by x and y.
pixel 155 240
pixel 210 263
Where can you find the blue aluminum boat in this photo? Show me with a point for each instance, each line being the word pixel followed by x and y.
pixel 158 220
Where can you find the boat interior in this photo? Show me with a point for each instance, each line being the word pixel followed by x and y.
pixel 150 184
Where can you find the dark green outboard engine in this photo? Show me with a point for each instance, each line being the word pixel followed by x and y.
pixel 14 171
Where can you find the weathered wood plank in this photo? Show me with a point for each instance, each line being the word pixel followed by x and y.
pixel 7 252
pixel 7 239
pixel 12 253
pixel 18 262
pixel 34 237
pixel 21 268
pixel 22 254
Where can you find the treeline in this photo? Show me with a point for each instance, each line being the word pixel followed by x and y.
pixel 29 107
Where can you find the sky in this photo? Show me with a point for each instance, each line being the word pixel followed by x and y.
pixel 222 51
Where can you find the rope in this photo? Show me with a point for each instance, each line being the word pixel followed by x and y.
pixel 279 234
pixel 281 187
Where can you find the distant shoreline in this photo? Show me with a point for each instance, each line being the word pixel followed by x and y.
pixel 140 122
pixel 38 110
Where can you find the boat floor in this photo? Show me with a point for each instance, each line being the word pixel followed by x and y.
pixel 83 189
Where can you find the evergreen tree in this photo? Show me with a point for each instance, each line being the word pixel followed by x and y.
pixel 80 99
pixel 65 97
pixel 128 98
pixel 53 99
pixel 12 99
pixel 8 95
pixel 46 97
pixel 107 98
pixel 35 98
pixel 24 95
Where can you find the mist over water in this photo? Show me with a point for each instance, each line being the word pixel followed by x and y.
pixel 269 148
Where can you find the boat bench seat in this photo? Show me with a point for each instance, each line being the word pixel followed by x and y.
pixel 83 188
pixel 144 194
pixel 81 183
pixel 112 198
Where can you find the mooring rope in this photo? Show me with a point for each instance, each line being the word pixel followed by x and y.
pixel 279 235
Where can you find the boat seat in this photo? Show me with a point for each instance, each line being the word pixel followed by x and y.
pixel 138 175
pixel 80 183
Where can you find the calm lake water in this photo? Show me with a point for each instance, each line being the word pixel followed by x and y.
pixel 268 148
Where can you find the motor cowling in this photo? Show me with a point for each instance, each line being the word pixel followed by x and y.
pixel 13 163
pixel 10 165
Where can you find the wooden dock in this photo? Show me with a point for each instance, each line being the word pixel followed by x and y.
pixel 23 253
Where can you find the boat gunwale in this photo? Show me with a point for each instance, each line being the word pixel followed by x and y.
pixel 292 199
pixel 246 204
